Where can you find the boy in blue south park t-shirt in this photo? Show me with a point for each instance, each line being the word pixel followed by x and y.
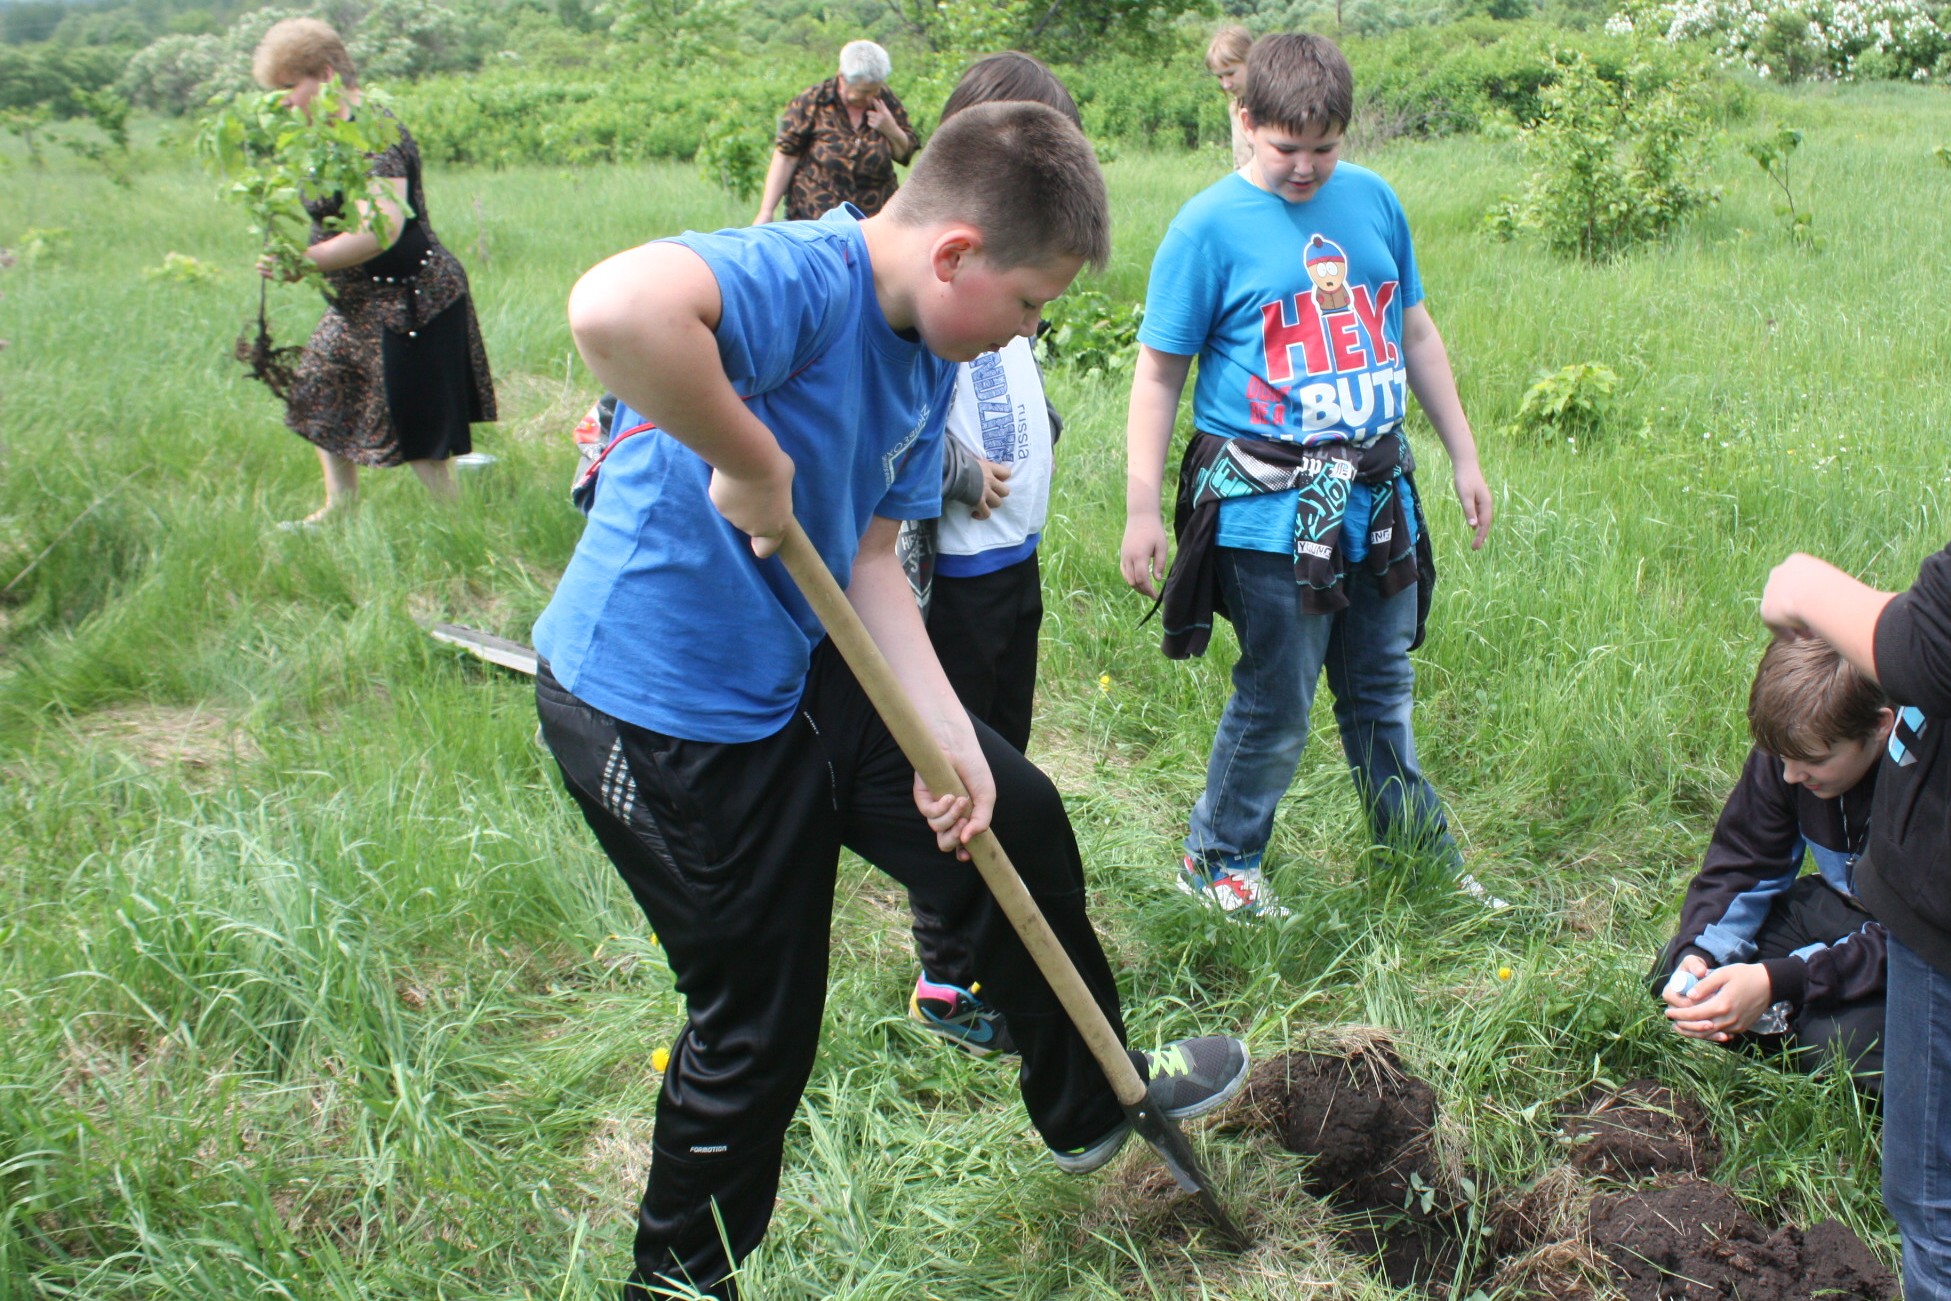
pixel 714 741
pixel 1293 281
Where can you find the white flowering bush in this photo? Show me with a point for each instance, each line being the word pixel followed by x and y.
pixel 1796 40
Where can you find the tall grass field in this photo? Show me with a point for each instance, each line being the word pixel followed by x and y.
pixel 314 985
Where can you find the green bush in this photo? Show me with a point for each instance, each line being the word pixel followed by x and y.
pixel 505 114
pixel 48 74
pixel 1567 404
pixel 1174 105
pixel 1612 166
pixel 1091 332
pixel 170 75
pixel 1439 80
pixel 736 153
pixel 623 103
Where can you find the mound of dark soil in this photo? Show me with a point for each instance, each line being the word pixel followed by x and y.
pixel 1366 1124
pixel 1691 1241
pixel 1643 1129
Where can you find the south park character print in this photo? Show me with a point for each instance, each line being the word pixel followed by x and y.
pixel 1331 371
pixel 1327 267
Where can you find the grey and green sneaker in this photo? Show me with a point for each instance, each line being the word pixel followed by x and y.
pixel 1185 1079
pixel 1193 1076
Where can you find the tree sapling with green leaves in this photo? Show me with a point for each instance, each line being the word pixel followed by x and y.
pixel 274 156
pixel 1772 153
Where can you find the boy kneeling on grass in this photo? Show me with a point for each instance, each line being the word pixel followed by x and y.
pixel 1767 958
pixel 717 744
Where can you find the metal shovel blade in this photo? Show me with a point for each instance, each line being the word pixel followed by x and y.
pixel 1169 1142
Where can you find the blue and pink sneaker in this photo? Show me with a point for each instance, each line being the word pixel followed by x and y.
pixel 960 1016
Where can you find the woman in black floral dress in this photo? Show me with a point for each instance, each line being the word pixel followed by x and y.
pixel 396 371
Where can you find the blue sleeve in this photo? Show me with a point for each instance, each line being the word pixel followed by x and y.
pixel 917 489
pixel 1404 249
pixel 1182 298
pixel 780 298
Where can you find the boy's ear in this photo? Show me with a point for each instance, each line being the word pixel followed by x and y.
pixel 954 245
pixel 1886 718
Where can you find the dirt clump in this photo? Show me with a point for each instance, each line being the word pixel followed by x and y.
pixel 1692 1241
pixel 1366 1124
pixel 1368 1127
pixel 1642 1129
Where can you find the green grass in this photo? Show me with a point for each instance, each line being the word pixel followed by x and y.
pixel 313 984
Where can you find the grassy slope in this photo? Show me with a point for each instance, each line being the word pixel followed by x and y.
pixel 314 985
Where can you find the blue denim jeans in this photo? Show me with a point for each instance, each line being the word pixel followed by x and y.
pixel 1365 649
pixel 1917 1119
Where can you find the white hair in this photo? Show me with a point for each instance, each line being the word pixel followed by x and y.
pixel 864 61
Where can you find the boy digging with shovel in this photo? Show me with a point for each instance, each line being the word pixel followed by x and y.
pixel 718 747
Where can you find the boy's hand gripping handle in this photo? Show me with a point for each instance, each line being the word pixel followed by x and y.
pixel 918 743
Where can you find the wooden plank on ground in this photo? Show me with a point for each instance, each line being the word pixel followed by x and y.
pixel 495 650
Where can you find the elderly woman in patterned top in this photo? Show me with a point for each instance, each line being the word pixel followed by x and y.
pixel 396 371
pixel 839 141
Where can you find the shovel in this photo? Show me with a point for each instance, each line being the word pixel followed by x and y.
pixel 918 743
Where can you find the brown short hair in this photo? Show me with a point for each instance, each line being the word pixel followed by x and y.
pixel 1806 698
pixel 1010 76
pixel 1020 173
pixel 1229 45
pixel 301 47
pixel 1295 82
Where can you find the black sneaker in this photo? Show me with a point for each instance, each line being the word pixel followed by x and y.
pixel 1186 1079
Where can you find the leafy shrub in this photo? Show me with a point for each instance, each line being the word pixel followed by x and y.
pixel 1796 40
pixel 181 269
pixel 26 125
pixel 1458 78
pixel 504 115
pixel 398 39
pixel 1612 166
pixel 38 244
pixel 1567 404
pixel 47 74
pixel 169 76
pixel 109 113
pixel 734 155
pixel 1174 105
pixel 1089 331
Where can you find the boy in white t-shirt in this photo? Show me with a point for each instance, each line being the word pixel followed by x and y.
pixel 983 593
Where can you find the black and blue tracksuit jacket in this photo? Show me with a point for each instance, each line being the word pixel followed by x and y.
pixel 1766 829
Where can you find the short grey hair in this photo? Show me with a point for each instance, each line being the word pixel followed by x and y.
pixel 863 61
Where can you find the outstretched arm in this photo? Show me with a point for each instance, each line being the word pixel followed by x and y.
pixel 643 321
pixel 1431 380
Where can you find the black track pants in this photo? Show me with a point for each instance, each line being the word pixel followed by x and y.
pixel 984 630
pixel 731 849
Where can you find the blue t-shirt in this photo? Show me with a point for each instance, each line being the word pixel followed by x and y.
pixel 1295 313
pixel 664 618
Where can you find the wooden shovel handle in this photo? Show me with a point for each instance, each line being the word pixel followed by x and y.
pixel 918 743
